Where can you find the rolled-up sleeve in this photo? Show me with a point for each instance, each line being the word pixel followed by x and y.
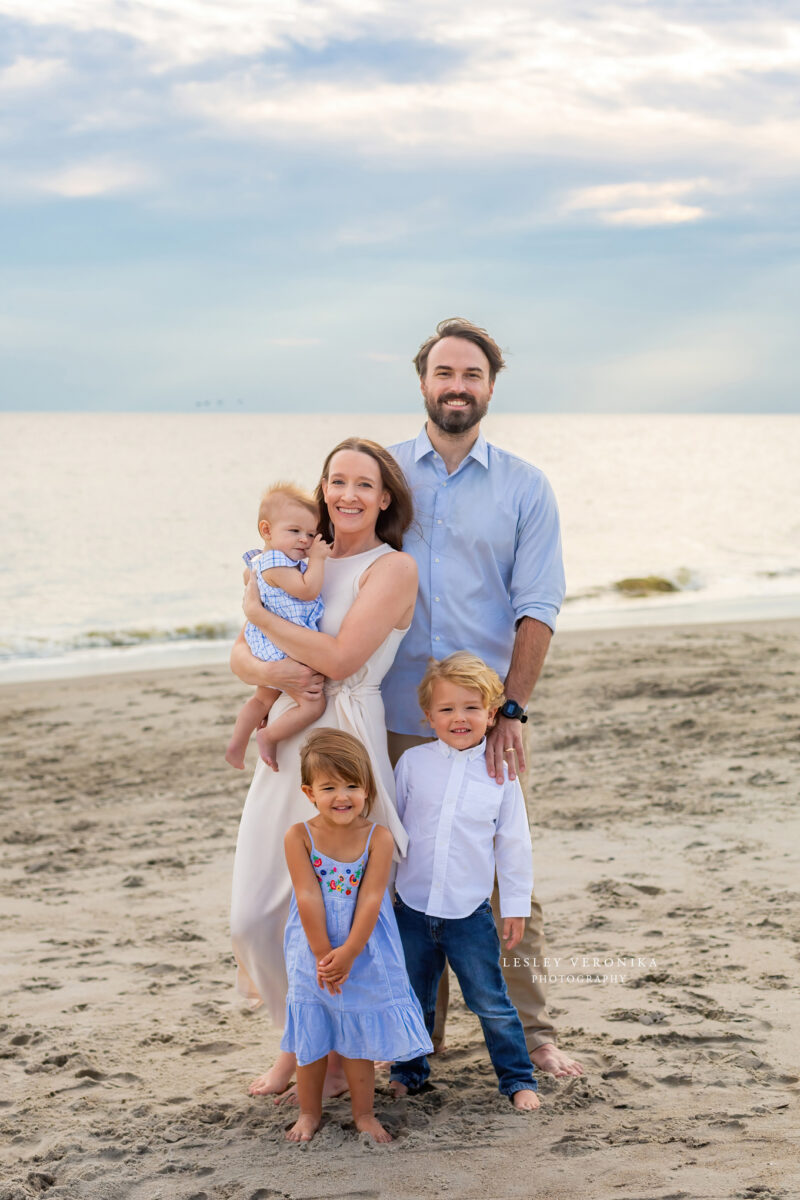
pixel 513 855
pixel 537 580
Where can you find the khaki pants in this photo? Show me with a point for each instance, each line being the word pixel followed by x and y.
pixel 527 994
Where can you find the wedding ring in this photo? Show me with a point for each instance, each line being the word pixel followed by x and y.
pixel 509 749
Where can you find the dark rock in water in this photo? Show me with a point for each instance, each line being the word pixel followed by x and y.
pixel 646 585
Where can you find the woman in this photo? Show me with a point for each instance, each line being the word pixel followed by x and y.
pixel 369 592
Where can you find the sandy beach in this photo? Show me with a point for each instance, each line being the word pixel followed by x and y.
pixel 667 848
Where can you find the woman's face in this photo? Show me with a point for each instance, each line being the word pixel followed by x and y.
pixel 354 492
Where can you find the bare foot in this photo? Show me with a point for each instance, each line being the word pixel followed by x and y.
pixel 304 1128
pixel 235 755
pixel 267 747
pixel 370 1124
pixel 397 1088
pixel 554 1061
pixel 277 1078
pixel 335 1085
pixel 525 1101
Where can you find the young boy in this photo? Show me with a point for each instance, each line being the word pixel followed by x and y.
pixel 462 828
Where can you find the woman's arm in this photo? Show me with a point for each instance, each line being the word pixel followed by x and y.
pixel 285 675
pixel 335 966
pixel 385 602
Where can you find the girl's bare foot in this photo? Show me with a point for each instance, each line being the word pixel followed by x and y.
pixel 370 1124
pixel 525 1101
pixel 397 1088
pixel 277 1078
pixel 267 747
pixel 304 1128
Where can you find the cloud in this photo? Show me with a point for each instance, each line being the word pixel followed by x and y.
pixel 83 180
pixel 639 203
pixel 27 73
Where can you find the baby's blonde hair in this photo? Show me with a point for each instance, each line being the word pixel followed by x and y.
pixel 466 670
pixel 337 753
pixel 279 493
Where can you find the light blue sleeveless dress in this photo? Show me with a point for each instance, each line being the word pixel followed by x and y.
pixel 376 1015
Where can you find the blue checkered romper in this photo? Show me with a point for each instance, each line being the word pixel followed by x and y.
pixel 275 600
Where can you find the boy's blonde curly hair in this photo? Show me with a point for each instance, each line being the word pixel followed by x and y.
pixel 466 670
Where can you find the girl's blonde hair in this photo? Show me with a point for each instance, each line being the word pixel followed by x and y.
pixel 340 755
pixel 282 491
pixel 466 670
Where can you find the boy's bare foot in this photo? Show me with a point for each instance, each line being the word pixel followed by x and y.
pixel 525 1101
pixel 267 747
pixel 304 1128
pixel 554 1061
pixel 277 1078
pixel 235 755
pixel 370 1124
pixel 397 1088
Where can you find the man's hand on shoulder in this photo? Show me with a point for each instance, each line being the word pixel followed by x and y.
pixel 504 744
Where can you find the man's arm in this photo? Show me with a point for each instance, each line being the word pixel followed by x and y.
pixel 527 659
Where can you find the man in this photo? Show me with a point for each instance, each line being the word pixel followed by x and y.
pixel 488 547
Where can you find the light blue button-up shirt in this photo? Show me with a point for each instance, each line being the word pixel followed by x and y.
pixel 487 543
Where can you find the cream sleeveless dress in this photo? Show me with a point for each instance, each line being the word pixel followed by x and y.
pixel 262 888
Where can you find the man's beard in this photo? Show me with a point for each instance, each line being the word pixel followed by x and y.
pixel 459 420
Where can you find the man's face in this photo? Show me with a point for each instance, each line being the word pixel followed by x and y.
pixel 456 385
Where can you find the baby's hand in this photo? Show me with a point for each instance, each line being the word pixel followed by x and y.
pixel 513 928
pixel 319 548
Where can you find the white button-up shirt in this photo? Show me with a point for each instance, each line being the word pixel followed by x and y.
pixel 462 827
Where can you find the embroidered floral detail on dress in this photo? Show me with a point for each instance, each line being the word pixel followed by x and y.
pixel 338 879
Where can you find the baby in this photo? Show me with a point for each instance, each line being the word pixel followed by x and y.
pixel 289 587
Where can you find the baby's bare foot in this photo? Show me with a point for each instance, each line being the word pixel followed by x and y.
pixel 304 1128
pixel 235 756
pixel 397 1088
pixel 525 1101
pixel 370 1124
pixel 267 748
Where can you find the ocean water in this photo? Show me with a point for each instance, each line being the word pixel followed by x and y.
pixel 122 533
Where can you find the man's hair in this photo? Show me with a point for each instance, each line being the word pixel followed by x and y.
pixel 393 521
pixel 466 670
pixel 460 327
pixel 333 752
pixel 278 494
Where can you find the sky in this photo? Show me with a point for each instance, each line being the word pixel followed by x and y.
pixel 266 205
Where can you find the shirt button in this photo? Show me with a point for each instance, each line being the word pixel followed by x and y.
pixel 438 522
pixel 436 598
pixel 436 639
pixel 444 485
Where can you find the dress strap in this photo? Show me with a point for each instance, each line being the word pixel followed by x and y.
pixel 311 838
pixel 369 838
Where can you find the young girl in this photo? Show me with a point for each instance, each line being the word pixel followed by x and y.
pixel 289 587
pixel 348 986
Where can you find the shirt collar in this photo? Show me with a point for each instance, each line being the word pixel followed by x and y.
pixel 451 752
pixel 479 451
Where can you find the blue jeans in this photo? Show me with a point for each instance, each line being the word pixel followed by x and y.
pixel 472 947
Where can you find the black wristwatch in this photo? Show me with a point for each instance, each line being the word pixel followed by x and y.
pixel 514 712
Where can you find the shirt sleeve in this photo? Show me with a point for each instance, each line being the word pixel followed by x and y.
pixel 512 852
pixel 537 580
